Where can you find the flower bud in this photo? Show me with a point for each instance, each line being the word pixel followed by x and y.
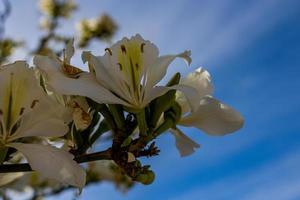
pixel 146 178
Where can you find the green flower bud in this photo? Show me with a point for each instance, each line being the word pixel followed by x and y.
pixel 146 178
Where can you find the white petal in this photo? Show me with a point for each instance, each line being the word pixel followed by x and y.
pixel 154 93
pixel 46 64
pixel 47 128
pixel 148 49
pixel 86 85
pixel 6 178
pixel 158 70
pixel 185 145
pixel 189 92
pixel 19 86
pixel 53 163
pixel 46 118
pixel 69 51
pixel 106 73
pixel 214 117
pixel 200 80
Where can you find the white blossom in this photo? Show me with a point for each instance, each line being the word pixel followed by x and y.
pixel 26 111
pixel 211 116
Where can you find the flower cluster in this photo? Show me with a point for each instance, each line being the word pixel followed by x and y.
pixel 103 27
pixel 58 102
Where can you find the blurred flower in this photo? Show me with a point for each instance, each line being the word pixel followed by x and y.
pixel 127 74
pixel 107 170
pixel 7 47
pixel 211 116
pixel 26 111
pixel 100 28
pixel 45 23
pixel 57 8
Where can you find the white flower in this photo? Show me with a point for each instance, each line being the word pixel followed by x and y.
pixel 211 116
pixel 65 79
pixel 78 106
pixel 26 111
pixel 127 74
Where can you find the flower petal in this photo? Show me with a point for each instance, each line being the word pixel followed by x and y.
pixel 69 51
pixel 49 128
pixel 190 94
pixel 201 81
pixel 85 85
pixel 158 70
pixel 53 163
pixel 18 88
pixel 46 118
pixel 185 145
pixel 105 73
pixel 214 117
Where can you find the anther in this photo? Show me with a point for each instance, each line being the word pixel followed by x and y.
pixel 1 112
pixel 34 102
pixel 142 47
pixel 22 111
pixel 123 48
pixel 108 50
pixel 136 66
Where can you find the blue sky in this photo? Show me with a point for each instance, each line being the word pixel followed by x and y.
pixel 251 49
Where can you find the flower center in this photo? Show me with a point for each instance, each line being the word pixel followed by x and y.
pixel 13 105
pixel 130 63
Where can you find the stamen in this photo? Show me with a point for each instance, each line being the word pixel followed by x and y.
pixel 120 66
pixel 1 112
pixel 71 70
pixel 34 102
pixel 108 50
pixel 22 111
pixel 137 66
pixel 142 47
pixel 123 48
